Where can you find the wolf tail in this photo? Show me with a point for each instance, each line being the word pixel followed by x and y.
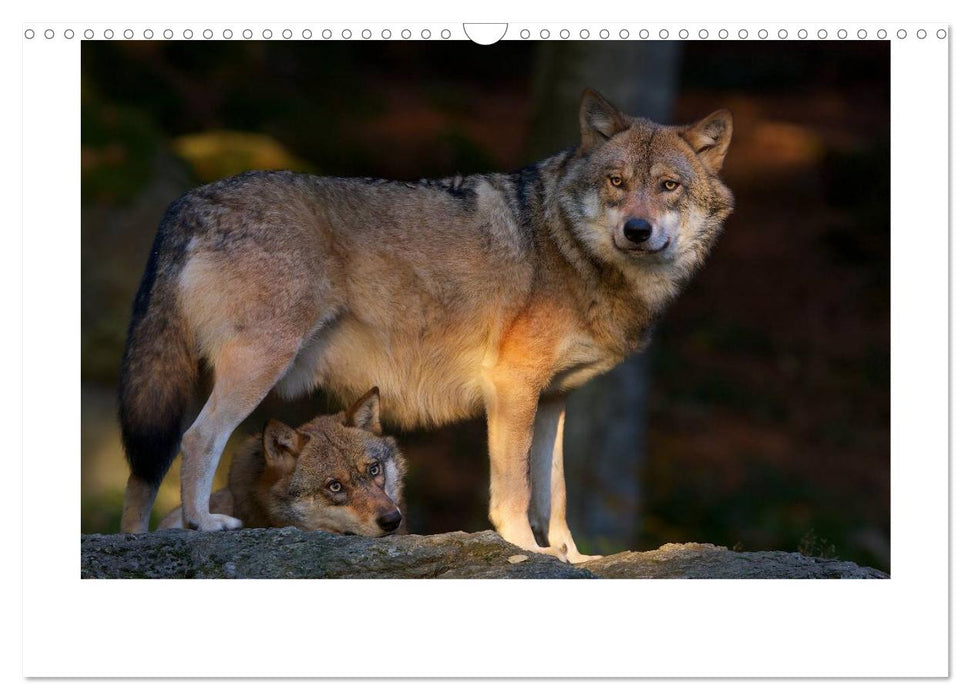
pixel 159 374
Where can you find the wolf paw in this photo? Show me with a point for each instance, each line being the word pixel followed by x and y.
pixel 575 557
pixel 564 552
pixel 524 539
pixel 569 548
pixel 212 522
pixel 558 553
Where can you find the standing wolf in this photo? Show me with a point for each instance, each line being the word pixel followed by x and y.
pixel 499 292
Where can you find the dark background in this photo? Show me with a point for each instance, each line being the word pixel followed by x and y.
pixel 759 418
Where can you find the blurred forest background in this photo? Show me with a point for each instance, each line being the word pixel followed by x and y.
pixel 760 416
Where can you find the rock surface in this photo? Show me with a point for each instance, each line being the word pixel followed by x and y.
pixel 694 560
pixel 291 553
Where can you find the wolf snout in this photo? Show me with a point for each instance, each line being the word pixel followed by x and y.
pixel 637 230
pixel 390 521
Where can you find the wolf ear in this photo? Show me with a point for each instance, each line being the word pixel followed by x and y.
pixel 280 442
pixel 599 120
pixel 365 413
pixel 710 138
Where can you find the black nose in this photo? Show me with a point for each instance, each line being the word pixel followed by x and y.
pixel 390 521
pixel 637 230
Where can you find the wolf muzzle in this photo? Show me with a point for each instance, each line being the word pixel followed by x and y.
pixel 390 521
pixel 642 234
pixel 637 230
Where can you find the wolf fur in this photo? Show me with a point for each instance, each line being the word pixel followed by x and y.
pixel 494 293
pixel 335 473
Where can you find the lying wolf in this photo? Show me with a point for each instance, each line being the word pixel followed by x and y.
pixel 335 473
pixel 497 293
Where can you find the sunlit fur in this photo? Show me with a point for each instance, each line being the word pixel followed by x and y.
pixel 495 293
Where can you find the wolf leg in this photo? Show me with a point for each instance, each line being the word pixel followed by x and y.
pixel 549 432
pixel 547 507
pixel 244 375
pixel 510 410
pixel 546 427
pixel 139 496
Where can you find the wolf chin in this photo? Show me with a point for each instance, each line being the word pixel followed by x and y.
pixel 494 293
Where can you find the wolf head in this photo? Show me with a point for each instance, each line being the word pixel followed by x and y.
pixel 336 473
pixel 645 195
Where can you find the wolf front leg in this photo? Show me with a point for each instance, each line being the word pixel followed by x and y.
pixel 547 508
pixel 541 455
pixel 510 411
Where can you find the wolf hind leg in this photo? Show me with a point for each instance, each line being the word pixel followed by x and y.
pixel 244 373
pixel 220 502
pixel 548 501
pixel 137 510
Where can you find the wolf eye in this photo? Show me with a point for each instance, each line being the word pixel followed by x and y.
pixel 374 469
pixel 616 180
pixel 335 486
pixel 671 185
